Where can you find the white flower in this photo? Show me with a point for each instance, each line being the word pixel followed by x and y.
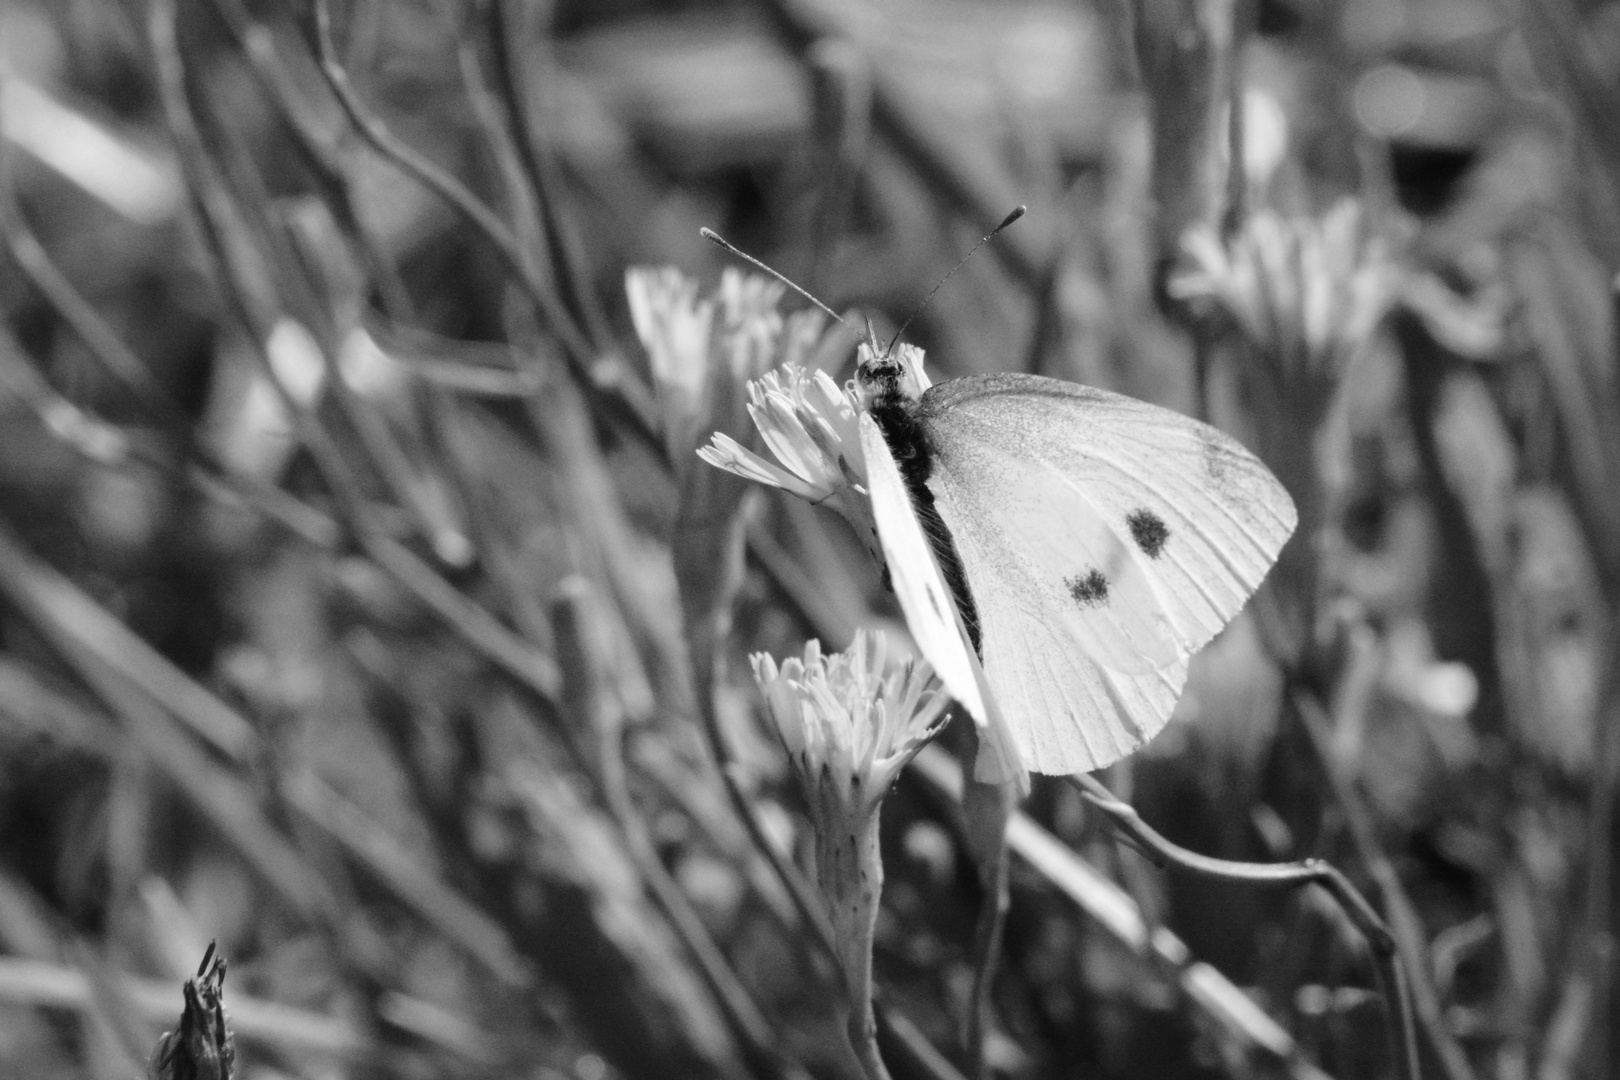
pixel 697 346
pixel 674 327
pixel 1309 293
pixel 850 721
pixel 751 319
pixel 810 426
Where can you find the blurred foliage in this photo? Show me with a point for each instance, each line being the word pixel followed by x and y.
pixel 355 613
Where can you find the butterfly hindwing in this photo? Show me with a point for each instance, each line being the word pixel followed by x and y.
pixel 930 612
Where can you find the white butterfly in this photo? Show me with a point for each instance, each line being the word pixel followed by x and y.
pixel 1095 542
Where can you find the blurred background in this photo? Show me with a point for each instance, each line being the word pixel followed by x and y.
pixel 349 570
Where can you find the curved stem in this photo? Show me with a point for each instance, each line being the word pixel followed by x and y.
pixel 1421 999
pixel 1380 940
pixel 596 372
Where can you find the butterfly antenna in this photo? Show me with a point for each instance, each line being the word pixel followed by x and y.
pixel 714 237
pixel 1017 213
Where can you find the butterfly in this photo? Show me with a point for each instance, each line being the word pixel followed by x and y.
pixel 1059 551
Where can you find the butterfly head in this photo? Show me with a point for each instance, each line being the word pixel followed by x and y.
pixel 889 376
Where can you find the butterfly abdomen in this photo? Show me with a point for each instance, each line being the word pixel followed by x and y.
pixel 901 423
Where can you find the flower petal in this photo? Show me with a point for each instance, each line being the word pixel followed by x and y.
pixel 724 452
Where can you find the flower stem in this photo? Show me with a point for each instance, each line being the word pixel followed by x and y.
pixel 851 872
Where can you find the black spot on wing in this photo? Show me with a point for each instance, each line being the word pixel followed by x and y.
pixel 1148 530
pixel 1089 590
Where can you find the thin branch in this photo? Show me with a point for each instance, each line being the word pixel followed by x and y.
pixel 596 372
pixel 1381 943
pixel 583 702
pixel 1600 914
pixel 116 358
pixel 517 657
pixel 1112 908
pixel 492 116
pixel 435 179
pixel 389 860
pixel 970 183
pixel 214 215
pixel 291 260
pixel 1405 925
pixel 204 469
pixel 514 69
pixel 150 694
pixel 489 637
pixel 319 152
pixel 1173 856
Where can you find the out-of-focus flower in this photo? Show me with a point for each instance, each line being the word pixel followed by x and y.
pixel 850 722
pixel 701 349
pixel 674 327
pixel 202 1047
pixel 1307 293
pixel 1265 136
pixel 1446 689
pixel 1306 296
pixel 704 350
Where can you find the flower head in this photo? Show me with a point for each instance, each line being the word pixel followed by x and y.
pixel 674 327
pixel 1307 292
pixel 810 426
pixel 701 349
pixel 850 721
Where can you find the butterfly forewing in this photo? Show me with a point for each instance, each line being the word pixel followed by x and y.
pixel 1104 540
pixel 1051 555
pixel 1077 651
pixel 1200 514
